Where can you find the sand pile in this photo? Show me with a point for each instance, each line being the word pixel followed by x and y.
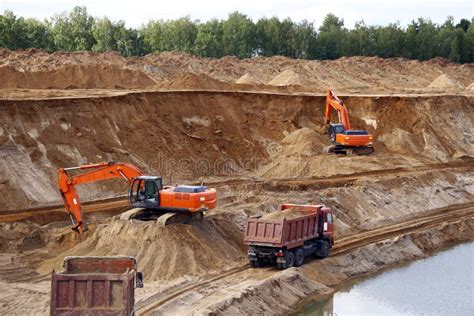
pixel 349 74
pixel 196 81
pixel 290 213
pixel 286 78
pixel 19 237
pixel 249 78
pixel 91 76
pixel 163 252
pixel 444 82
pixel 302 141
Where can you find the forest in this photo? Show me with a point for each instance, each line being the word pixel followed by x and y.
pixel 240 36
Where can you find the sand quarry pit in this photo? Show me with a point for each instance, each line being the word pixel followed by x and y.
pixel 250 128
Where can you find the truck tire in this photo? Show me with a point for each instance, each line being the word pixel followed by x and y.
pixel 299 257
pixel 289 261
pixel 323 249
pixel 255 263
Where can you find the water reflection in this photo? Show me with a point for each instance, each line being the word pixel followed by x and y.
pixel 439 285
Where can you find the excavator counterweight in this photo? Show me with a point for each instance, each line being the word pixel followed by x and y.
pixel 146 193
pixel 343 139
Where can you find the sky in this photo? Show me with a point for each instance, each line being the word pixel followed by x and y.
pixel 138 12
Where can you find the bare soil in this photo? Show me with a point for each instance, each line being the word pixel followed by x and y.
pixel 85 70
pixel 253 129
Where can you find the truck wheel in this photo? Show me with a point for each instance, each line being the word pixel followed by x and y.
pixel 299 257
pixel 289 259
pixel 255 263
pixel 323 249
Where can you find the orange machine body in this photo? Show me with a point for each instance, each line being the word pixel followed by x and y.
pixel 179 199
pixel 192 202
pixel 342 134
pixel 353 140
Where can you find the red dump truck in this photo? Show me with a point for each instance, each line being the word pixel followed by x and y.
pixel 287 236
pixel 95 286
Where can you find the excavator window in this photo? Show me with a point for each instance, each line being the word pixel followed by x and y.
pixel 338 129
pixel 137 190
pixel 150 190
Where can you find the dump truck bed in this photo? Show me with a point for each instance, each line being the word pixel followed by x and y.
pixel 287 228
pixel 94 285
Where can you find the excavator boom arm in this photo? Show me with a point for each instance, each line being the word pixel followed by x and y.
pixel 333 102
pixel 102 171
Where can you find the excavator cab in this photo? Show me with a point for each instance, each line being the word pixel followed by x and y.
pixel 145 192
pixel 333 130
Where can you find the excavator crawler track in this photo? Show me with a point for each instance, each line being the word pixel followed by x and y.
pixel 349 151
pixel 162 218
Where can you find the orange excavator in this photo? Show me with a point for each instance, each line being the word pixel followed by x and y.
pixel 343 139
pixel 152 200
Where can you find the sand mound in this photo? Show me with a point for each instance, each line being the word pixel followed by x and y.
pixel 300 142
pixel 286 78
pixel 196 81
pixel 444 82
pixel 93 76
pixel 349 74
pixel 18 237
pixel 287 214
pixel 163 252
pixel 249 78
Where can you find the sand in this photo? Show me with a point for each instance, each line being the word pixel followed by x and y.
pixel 271 136
pixel 285 78
pixel 249 78
pixel 75 77
pixel 261 149
pixel 445 82
pixel 290 213
pixel 110 70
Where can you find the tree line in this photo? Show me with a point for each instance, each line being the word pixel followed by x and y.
pixel 238 35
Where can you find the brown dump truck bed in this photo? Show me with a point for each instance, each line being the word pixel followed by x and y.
pixel 287 228
pixel 94 286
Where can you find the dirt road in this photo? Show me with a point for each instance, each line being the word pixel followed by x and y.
pixel 453 213
pixel 115 206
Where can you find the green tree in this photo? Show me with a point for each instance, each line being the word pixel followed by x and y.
pixel 469 45
pixel 152 35
pixel 39 34
pixel 209 39
pixel 464 24
pixel 331 38
pixel 181 35
pixel 446 36
pixel 12 31
pixel 105 34
pixel 390 41
pixel 239 35
pixel 362 41
pixel 305 40
pixel 73 31
pixel 425 40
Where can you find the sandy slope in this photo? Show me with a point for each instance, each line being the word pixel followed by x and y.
pixel 347 74
pixel 272 139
